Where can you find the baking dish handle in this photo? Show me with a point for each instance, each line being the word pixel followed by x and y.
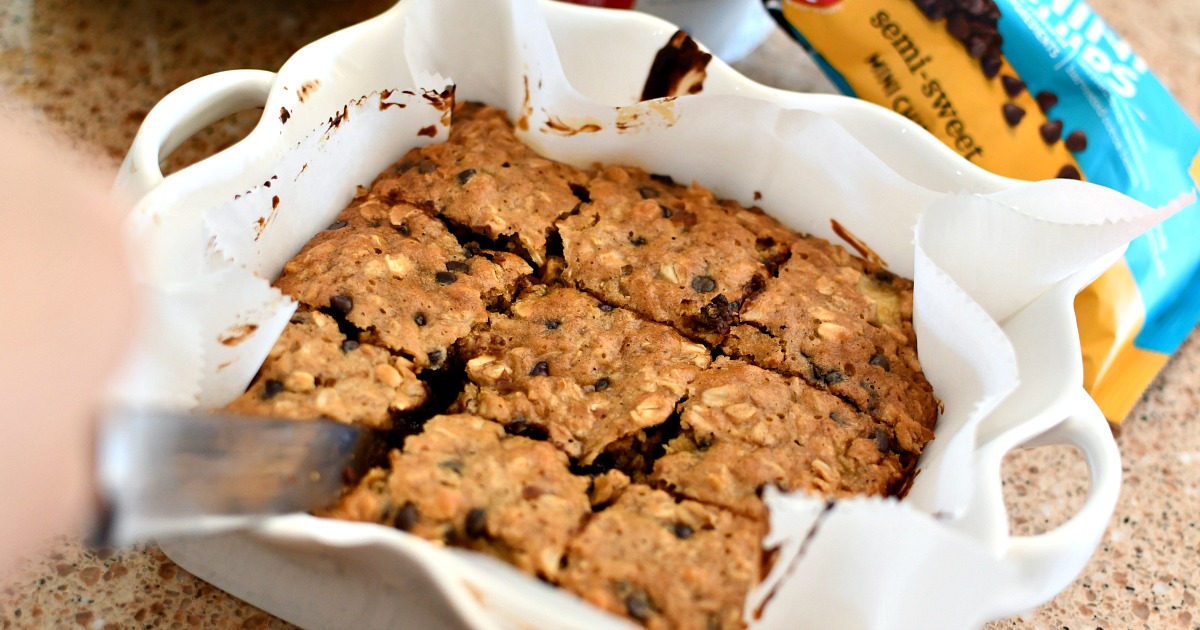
pixel 180 114
pixel 1047 563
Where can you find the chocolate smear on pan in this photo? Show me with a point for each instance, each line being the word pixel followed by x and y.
pixel 859 246
pixel 679 68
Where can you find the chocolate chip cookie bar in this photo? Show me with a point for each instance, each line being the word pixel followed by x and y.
pixel 744 428
pixel 844 325
pixel 666 563
pixel 400 276
pixel 463 481
pixel 485 179
pixel 670 253
pixel 315 371
pixel 583 372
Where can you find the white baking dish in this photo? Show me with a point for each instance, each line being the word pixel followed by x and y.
pixel 326 128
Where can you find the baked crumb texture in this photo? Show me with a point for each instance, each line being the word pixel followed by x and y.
pixel 592 375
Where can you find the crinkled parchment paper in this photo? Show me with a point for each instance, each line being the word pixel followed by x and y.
pixel 211 239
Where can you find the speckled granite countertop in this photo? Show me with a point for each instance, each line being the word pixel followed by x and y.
pixel 91 70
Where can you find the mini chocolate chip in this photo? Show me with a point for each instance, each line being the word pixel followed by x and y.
pixel 476 525
pixel 465 176
pixel 459 266
pixel 601 385
pixel 1012 114
pixel 637 241
pixel 271 388
pixel 1069 172
pixel 541 369
pixel 1012 85
pixel 402 229
pixel 933 9
pixel 838 419
pixel 627 270
pixel 648 192
pixel 666 212
pixel 1076 141
pixel 1046 99
pixel 606 308
pixel 1051 131
pixel 419 318
pixel 991 63
pixel 682 531
pixel 552 324
pixel 425 167
pixel 349 345
pixel 505 165
pixel 884 276
pixel 407 517
pixel 959 27
pixel 881 361
pixel 717 315
pixel 703 284
pixel 637 604
pixel 454 465
pixel 833 377
pixel 435 357
pixel 342 304
pixel 882 441
pixel 336 225
pixel 662 179
pixel 976 47
pixel 445 277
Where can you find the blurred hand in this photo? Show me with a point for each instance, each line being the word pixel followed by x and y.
pixel 65 314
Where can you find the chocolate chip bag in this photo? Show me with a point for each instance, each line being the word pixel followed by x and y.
pixel 1035 89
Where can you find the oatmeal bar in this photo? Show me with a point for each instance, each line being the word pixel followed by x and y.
pixel 585 373
pixel 665 563
pixel 671 253
pixel 744 427
pixel 485 179
pixel 314 371
pixel 464 481
pixel 402 277
pixel 845 325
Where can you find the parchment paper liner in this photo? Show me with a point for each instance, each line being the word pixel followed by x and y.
pixel 206 258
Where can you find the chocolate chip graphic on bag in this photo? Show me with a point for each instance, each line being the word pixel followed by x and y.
pixel 1012 86
pixel 1069 172
pixel 1076 141
pixel 1051 131
pixel 1046 99
pixel 1013 114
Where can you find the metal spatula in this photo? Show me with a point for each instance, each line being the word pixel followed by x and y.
pixel 163 474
